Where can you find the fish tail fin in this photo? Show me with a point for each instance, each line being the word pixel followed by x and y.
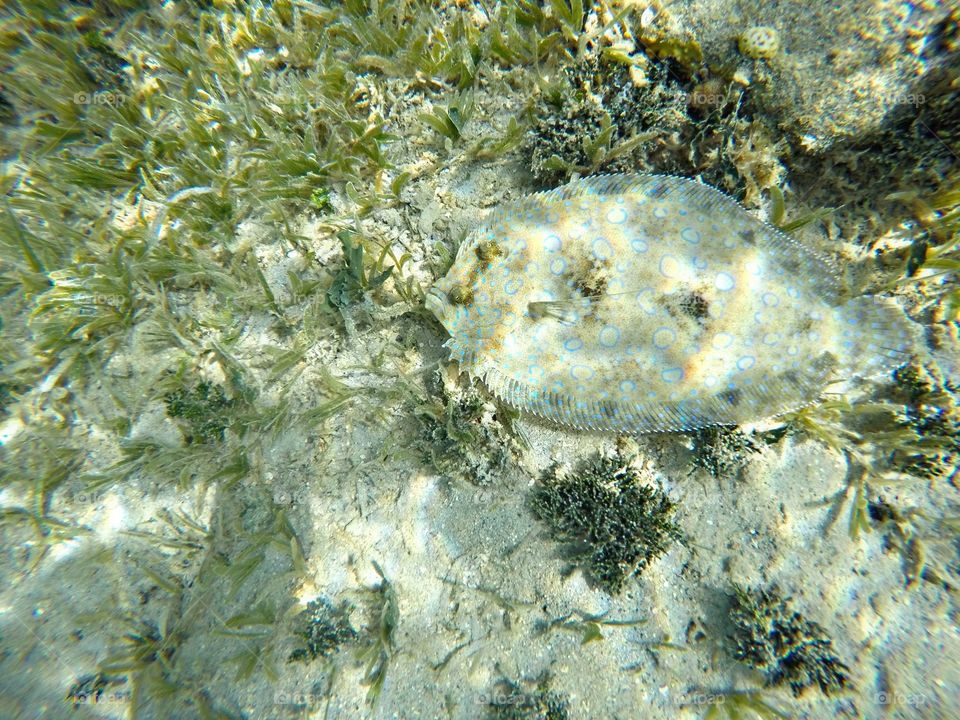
pixel 878 336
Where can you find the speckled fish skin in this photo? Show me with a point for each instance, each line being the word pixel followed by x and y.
pixel 646 303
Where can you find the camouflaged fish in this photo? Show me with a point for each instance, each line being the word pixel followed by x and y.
pixel 645 303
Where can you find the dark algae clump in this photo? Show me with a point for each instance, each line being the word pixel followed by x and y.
pixel 782 644
pixel 322 629
pixel 510 701
pixel 615 524
pixel 461 434
pixel 202 409
pixel 723 450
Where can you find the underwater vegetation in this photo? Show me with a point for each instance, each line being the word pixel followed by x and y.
pixel 743 705
pixel 786 647
pixel 378 646
pixel 462 434
pixel 93 688
pixel 905 437
pixel 324 627
pixel 355 278
pixel 932 412
pixel 611 109
pixel 202 408
pixel 723 450
pixel 614 523
pixel 511 701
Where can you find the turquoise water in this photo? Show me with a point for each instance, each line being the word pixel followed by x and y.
pixel 242 476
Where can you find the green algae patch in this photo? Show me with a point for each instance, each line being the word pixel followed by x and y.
pixel 615 525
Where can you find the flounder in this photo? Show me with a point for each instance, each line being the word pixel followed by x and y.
pixel 646 303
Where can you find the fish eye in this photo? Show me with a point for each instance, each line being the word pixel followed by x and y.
pixel 460 295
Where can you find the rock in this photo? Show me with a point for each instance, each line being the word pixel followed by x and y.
pixel 841 68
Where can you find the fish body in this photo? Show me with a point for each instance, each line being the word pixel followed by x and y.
pixel 648 303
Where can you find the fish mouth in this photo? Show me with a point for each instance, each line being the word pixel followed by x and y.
pixel 435 302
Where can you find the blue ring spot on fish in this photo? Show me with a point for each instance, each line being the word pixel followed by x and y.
pixel 645 301
pixel 602 249
pixel 669 266
pixel 512 287
pixel 691 235
pixel 581 372
pixel 609 336
pixel 663 338
pixel 628 386
pixel 558 266
pixel 552 243
pixel 721 341
pixel 572 344
pixel 724 282
pixel 660 212
pixel 672 375
pixel 770 299
pixel 617 216
pixel 639 245
pixel 746 362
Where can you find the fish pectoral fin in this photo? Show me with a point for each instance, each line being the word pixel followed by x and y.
pixel 566 312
